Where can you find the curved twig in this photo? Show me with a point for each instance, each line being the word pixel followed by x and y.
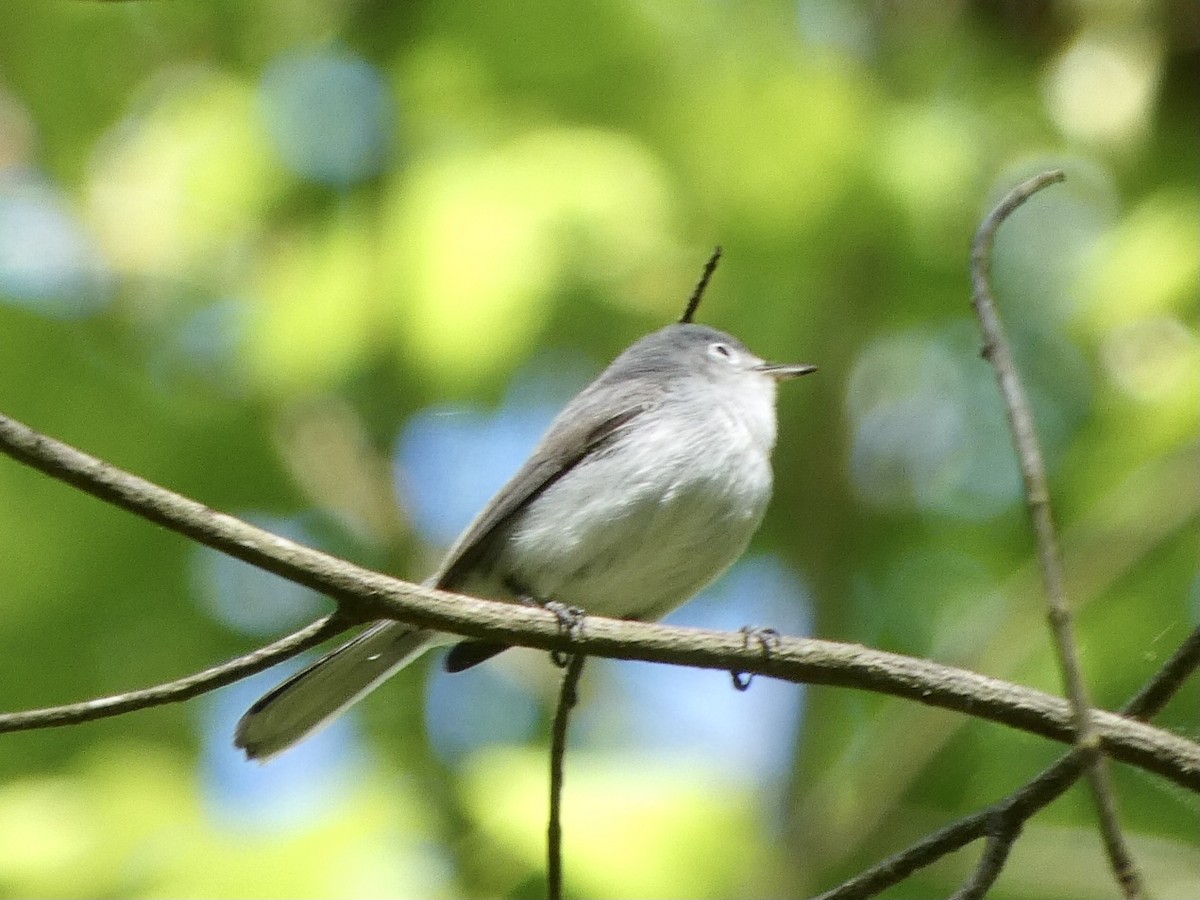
pixel 1033 473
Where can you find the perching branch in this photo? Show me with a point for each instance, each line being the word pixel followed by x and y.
pixel 1033 473
pixel 1018 807
pixel 568 695
pixel 362 595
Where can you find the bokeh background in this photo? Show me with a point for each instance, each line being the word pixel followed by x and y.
pixel 332 266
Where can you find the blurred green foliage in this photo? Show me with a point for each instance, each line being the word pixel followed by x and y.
pixel 242 243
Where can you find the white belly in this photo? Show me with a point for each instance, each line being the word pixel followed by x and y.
pixel 643 526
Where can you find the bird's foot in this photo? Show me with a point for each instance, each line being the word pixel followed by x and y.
pixel 570 623
pixel 768 639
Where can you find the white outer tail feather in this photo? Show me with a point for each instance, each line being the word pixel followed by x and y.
pixel 313 697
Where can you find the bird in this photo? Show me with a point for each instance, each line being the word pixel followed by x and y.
pixel 645 487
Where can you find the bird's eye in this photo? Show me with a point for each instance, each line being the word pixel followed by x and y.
pixel 721 351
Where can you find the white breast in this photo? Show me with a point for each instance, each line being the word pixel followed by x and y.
pixel 641 527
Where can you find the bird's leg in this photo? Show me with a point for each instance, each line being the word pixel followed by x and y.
pixel 768 639
pixel 570 623
pixel 570 618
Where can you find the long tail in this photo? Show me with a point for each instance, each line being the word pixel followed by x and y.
pixel 313 697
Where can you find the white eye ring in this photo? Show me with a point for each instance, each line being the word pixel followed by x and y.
pixel 724 351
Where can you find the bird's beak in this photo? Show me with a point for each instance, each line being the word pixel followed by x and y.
pixel 784 371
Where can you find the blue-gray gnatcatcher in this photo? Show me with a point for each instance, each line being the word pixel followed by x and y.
pixel 646 487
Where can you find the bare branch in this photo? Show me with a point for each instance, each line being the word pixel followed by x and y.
pixel 1033 473
pixel 1023 803
pixel 1101 541
pixel 182 689
pixel 1008 815
pixel 363 594
pixel 567 698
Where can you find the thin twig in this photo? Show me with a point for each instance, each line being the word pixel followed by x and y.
pixel 1024 802
pixel 1033 473
pixel 702 285
pixel 991 862
pixel 363 594
pixel 568 695
pixel 1165 684
pixel 182 689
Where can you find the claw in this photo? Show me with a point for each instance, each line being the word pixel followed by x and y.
pixel 768 639
pixel 570 623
